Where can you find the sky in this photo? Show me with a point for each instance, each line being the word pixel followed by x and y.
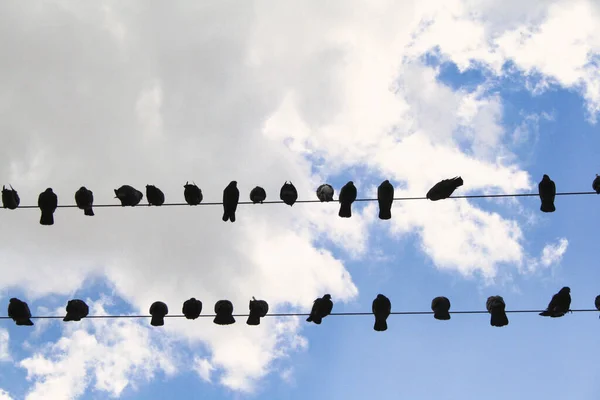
pixel 144 92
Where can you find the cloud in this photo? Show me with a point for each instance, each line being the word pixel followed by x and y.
pixel 4 350
pixel 204 368
pixel 551 254
pixel 4 395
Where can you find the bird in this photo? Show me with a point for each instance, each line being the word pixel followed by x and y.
pixel 321 308
pixel 325 192
pixel 547 191
pixel 19 312
pixel 385 197
pixel 597 303
pixel 559 304
pixel 192 308
pixel 444 188
pixel 84 198
pixel 192 193
pixel 224 313
pixel 496 306
pixel 258 195
pixel 128 195
pixel 154 195
pixel 595 184
pixel 288 193
pixel 47 202
pixel 10 198
pixel 76 310
pixel 158 310
pixel 347 197
pixel 258 309
pixel 231 196
pixel 441 308
pixel 382 307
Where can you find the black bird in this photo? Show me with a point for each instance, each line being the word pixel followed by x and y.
pixel 10 198
pixel 128 195
pixel 325 192
pixel 547 191
pixel 595 184
pixel 559 305
pixel 444 188
pixel 224 311
pixel 258 309
pixel 288 193
pixel 382 307
pixel 496 306
pixel 258 195
pixel 597 303
pixel 441 308
pixel 347 197
pixel 76 310
pixel 155 196
pixel 84 198
pixel 385 197
pixel 192 193
pixel 158 310
pixel 47 202
pixel 192 308
pixel 231 196
pixel 19 312
pixel 321 308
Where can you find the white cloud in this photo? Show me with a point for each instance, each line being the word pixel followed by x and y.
pixel 204 368
pixel 551 254
pixel 4 349
pixel 4 395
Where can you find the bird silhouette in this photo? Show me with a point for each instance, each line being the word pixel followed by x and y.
pixel 47 202
pixel 382 307
pixel 84 198
pixel 597 303
pixel 497 308
pixel 224 313
pixel 10 198
pixel 288 193
pixel 321 308
pixel 347 197
pixel 128 195
pixel 441 308
pixel 547 191
pixel 155 196
pixel 444 188
pixel 231 197
pixel 192 308
pixel 19 312
pixel 258 309
pixel 596 184
pixel 325 192
pixel 192 193
pixel 76 310
pixel 559 304
pixel 258 195
pixel 385 198
pixel 158 310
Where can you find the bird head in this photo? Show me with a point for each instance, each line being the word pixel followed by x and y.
pixel 233 183
pixel 14 300
pixel 83 189
pixel 565 290
pixel 49 190
pixel 546 177
pixel 327 297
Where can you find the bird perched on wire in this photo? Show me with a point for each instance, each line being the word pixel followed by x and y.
pixel 547 192
pixel 321 308
pixel 325 192
pixel 258 195
pixel 347 197
pixel 231 197
pixel 441 308
pixel 76 310
pixel 155 196
pixel 19 312
pixel 84 198
pixel 382 307
pixel 158 311
pixel 559 304
pixel 597 303
pixel 128 195
pixel 192 308
pixel 47 202
pixel 192 193
pixel 258 309
pixel 596 184
pixel 497 308
pixel 10 198
pixel 385 198
pixel 444 188
pixel 288 193
pixel 224 313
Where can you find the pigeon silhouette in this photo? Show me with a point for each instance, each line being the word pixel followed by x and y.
pixel 47 202
pixel 158 310
pixel 595 184
pixel 76 310
pixel 325 192
pixel 128 196
pixel 231 197
pixel 559 305
pixel 192 308
pixel 84 198
pixel 224 313
pixel 288 193
pixel 385 198
pixel 258 195
pixel 597 303
pixel 382 307
pixel 321 308
pixel 496 306
pixel 155 196
pixel 444 189
pixel 347 197
pixel 441 308
pixel 258 309
pixel 10 198
pixel 192 193
pixel 547 191
pixel 19 312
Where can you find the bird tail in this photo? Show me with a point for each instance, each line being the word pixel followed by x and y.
pixel 546 313
pixel 385 213
pixel 89 211
pixel 499 319
pixel 442 316
pixel 225 216
pixel 69 317
pixel 345 210
pixel 547 207
pixel 232 217
pixel 224 320
pixel 253 320
pixel 315 319
pixel 557 314
pixel 380 325
pixel 47 218
pixel 157 321
pixel 25 322
pixel 458 181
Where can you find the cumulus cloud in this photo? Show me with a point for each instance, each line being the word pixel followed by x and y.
pixel 4 350
pixel 4 395
pixel 551 254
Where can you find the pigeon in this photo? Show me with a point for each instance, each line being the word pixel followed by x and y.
pixel 258 309
pixel 288 193
pixel 325 192
pixel 76 310
pixel 547 191
pixel 10 198
pixel 444 189
pixel 192 308
pixel 496 306
pixel 158 310
pixel 321 308
pixel 47 202
pixel 231 196
pixel 155 196
pixel 441 308
pixel 224 311
pixel 347 197
pixel 385 197
pixel 382 307
pixel 84 198
pixel 128 196
pixel 19 312
pixel 595 184
pixel 559 305
pixel 258 195
pixel 597 303
pixel 192 193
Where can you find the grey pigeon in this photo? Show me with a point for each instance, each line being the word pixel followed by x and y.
pixel 258 309
pixel 76 310
pixel 158 310
pixel 10 198
pixel 84 198
pixel 385 198
pixel 321 308
pixel 128 196
pixel 231 197
pixel 192 308
pixel 192 193
pixel 441 308
pixel 547 192
pixel 347 197
pixel 288 193
pixel 495 305
pixel 325 192
pixel 597 303
pixel 155 196
pixel 444 188
pixel 224 313
pixel 258 195
pixel 47 202
pixel 19 312
pixel 596 184
pixel 559 304
pixel 382 307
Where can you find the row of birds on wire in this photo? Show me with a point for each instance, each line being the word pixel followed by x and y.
pixel 129 196
pixel 77 309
